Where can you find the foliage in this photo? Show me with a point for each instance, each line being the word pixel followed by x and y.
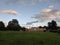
pixel 52 26
pixel 2 26
pixel 14 26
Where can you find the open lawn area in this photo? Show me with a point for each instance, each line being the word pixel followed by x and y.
pixel 29 38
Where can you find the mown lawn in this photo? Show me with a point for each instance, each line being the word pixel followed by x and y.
pixel 29 38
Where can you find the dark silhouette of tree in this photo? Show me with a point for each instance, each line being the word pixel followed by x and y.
pixel 40 26
pixel 13 25
pixel 23 29
pixel 52 26
pixel 2 26
pixel 49 25
pixel 15 21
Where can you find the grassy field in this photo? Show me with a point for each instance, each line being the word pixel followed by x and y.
pixel 29 38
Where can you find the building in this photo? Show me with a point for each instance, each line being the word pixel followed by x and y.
pixel 42 29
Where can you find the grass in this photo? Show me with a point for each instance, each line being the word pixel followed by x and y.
pixel 29 38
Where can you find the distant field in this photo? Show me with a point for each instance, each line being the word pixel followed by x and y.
pixel 29 38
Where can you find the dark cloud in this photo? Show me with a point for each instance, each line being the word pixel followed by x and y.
pixel 30 23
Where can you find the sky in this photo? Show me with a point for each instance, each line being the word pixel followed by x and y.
pixel 30 12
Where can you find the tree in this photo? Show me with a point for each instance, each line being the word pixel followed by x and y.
pixel 40 26
pixel 49 24
pixel 14 25
pixel 52 26
pixel 15 21
pixel 2 26
pixel 23 29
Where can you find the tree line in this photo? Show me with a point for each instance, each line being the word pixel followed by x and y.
pixel 12 26
pixel 51 27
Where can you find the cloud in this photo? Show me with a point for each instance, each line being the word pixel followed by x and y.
pixel 30 23
pixel 51 6
pixel 50 0
pixel 29 2
pixel 46 10
pixel 48 14
pixel 9 12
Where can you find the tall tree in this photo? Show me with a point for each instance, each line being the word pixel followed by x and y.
pixel 23 29
pixel 14 25
pixel 15 21
pixel 52 26
pixel 2 26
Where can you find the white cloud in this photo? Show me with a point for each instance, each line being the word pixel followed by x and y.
pixel 51 6
pixel 9 12
pixel 46 10
pixel 48 14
